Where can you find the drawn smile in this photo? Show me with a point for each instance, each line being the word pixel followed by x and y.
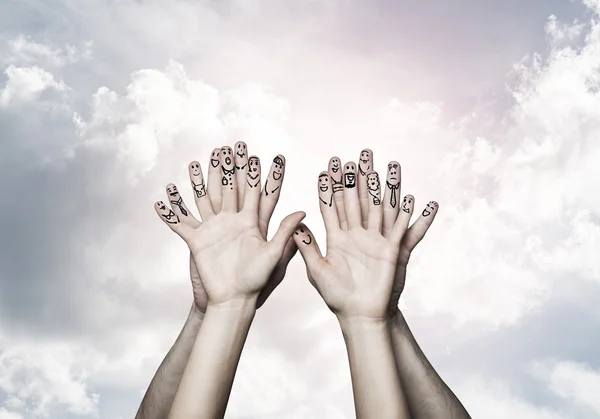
pixel 240 155
pixel 405 209
pixel 323 188
pixel 276 175
pixel 335 169
pixel 425 212
pixel 214 162
pixel 309 240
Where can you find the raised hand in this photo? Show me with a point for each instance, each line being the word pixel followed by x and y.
pixel 229 247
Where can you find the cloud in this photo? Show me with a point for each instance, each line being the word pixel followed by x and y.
pixel 26 84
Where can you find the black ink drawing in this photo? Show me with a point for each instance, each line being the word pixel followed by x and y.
pixel 241 153
pixel 393 182
pixel 373 187
pixel 337 184
pixel 430 208
pixel 215 158
pixel 227 167
pixel 168 214
pixel 350 177
pixel 177 199
pixel 301 230
pixel 199 188
pixel 324 188
pixel 408 199
pixel 364 163
pixel 253 176
pixel 277 174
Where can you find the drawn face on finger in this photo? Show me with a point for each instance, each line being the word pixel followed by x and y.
pixel 167 213
pixel 335 165
pixel 240 149
pixel 227 159
pixel 195 169
pixel 350 175
pixel 253 172
pixel 407 203
pixel 306 238
pixel 430 209
pixel 277 168
pixel 364 163
pixel 173 192
pixel 215 158
pixel 373 182
pixel 323 182
pixel 393 173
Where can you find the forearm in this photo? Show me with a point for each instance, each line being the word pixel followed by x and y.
pixel 375 383
pixel 161 392
pixel 427 394
pixel 206 383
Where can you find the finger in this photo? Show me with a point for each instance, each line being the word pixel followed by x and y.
pixel 241 167
pixel 326 204
pixel 278 273
pixel 417 231
pixel 270 195
pixel 391 200
pixel 401 224
pixel 365 166
pixel 351 203
pixel 374 196
pixel 214 180
pixel 252 185
pixel 337 183
pixel 179 207
pixel 228 180
pixel 171 219
pixel 284 232
pixel 309 249
pixel 199 187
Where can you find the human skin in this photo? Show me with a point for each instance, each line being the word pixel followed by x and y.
pixel 238 267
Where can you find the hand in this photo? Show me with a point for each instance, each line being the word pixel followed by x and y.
pixel 355 278
pixel 230 249
pixel 391 208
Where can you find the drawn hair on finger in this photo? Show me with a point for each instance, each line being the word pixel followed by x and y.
pixel 393 182
pixel 176 199
pixel 406 203
pixel 373 186
pixel 253 175
pixel 430 208
pixel 324 189
pixel 277 173
pixel 199 188
pixel 350 176
pixel 307 239
pixel 167 213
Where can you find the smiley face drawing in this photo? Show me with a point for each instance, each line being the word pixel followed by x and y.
pixel 373 186
pixel 227 156
pixel 167 213
pixel 350 176
pixel 406 203
pixel 240 150
pixel 195 168
pixel 277 168
pixel 306 239
pixel 215 158
pixel 253 175
pixel 430 208
pixel 323 182
pixel 335 164
pixel 364 163
pixel 337 184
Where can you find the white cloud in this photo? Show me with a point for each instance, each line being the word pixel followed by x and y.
pixel 26 84
pixel 23 50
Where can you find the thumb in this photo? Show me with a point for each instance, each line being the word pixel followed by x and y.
pixel 284 232
pixel 307 245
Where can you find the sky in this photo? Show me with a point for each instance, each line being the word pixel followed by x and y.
pixel 492 109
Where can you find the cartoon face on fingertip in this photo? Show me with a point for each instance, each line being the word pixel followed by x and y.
pixel 253 175
pixel 323 182
pixel 172 191
pixel 306 238
pixel 350 175
pixel 337 181
pixel 393 173
pixel 430 208
pixel 195 169
pixel 334 164
pixel 278 167
pixel 240 149
pixel 407 203
pixel 215 158
pixel 176 199
pixel 373 187
pixel 166 213
pixel 227 159
pixel 364 163
pixel 277 174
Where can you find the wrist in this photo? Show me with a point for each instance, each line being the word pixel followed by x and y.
pixel 242 306
pixel 362 323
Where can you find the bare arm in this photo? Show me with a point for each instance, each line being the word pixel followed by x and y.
pixel 375 383
pixel 161 392
pixel 428 396
pixel 206 384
